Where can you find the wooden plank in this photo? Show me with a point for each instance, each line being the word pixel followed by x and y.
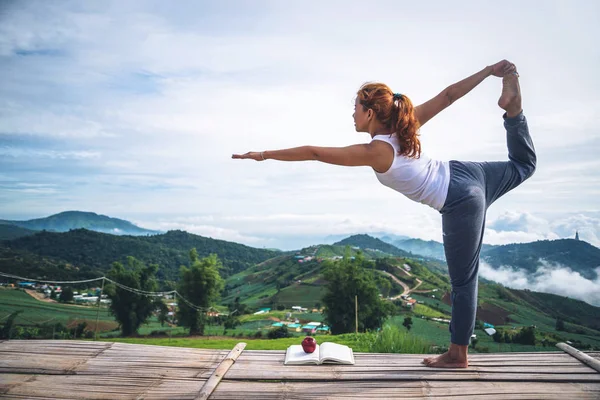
pixel 107 387
pixel 403 390
pixel 413 360
pixel 242 371
pixel 221 370
pixel 486 357
pixel 72 369
pixel 416 365
pixel 581 356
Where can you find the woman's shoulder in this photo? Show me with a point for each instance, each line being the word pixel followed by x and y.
pixel 386 138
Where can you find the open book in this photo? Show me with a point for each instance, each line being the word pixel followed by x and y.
pixel 324 353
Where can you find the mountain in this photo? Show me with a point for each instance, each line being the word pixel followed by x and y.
pixel 384 236
pixel 429 248
pixel 266 278
pixel 83 251
pixel 578 255
pixel 389 237
pixel 8 231
pixel 68 220
pixel 286 281
pixel 369 242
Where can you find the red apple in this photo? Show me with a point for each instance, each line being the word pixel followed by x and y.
pixel 309 344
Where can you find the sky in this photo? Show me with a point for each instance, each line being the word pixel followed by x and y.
pixel 133 110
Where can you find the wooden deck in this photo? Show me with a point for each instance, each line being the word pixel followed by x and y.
pixel 100 370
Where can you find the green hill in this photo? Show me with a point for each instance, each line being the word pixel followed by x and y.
pixel 9 232
pixel 369 242
pixel 578 255
pixel 68 220
pixel 429 248
pixel 286 281
pixel 84 250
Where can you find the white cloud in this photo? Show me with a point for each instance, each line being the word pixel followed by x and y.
pixel 549 278
pixel 210 231
pixel 146 103
pixel 516 226
pixel 47 153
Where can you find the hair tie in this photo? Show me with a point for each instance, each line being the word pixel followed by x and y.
pixel 398 96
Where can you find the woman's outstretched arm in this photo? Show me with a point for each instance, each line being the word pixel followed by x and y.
pixel 377 155
pixel 431 108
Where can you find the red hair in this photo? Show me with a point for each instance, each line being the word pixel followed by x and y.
pixel 396 113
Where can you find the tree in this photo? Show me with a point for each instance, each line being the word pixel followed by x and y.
pixel 131 309
pixel 525 335
pixel 8 325
pixel 237 307
pixel 163 312
pixel 201 286
pixel 231 322
pixel 407 323
pixel 279 333
pixel 66 295
pixel 560 324
pixel 345 280
pixel 386 287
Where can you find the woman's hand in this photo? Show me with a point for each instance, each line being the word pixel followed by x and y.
pixel 503 67
pixel 253 155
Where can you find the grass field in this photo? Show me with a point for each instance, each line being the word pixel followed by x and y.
pixel 362 343
pixel 39 312
pixel 252 344
pixel 422 309
pixel 300 295
pixel 431 332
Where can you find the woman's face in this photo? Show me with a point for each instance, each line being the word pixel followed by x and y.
pixel 361 117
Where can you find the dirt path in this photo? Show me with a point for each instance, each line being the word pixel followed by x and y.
pixel 404 270
pixel 399 282
pixel 39 296
pixel 407 290
pixel 418 284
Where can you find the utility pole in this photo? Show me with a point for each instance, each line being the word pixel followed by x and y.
pixel 356 312
pixel 98 310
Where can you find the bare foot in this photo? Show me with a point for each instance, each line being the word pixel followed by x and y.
pixel 455 357
pixel 510 99
pixel 446 361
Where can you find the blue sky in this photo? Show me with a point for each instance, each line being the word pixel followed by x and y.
pixel 133 109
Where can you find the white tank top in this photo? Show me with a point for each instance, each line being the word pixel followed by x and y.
pixel 420 179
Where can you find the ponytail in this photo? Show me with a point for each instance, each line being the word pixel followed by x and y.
pixel 406 127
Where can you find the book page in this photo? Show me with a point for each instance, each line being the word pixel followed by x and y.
pixel 295 355
pixel 336 352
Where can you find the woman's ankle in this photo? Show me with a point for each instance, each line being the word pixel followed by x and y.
pixel 458 351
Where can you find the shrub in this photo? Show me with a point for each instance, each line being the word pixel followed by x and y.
pixel 5 332
pixel 278 333
pixel 391 339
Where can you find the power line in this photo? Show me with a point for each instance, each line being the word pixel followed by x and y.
pixel 117 284
pixel 47 281
pixel 139 291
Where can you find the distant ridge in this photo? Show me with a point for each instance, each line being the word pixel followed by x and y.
pixel 368 242
pixel 68 220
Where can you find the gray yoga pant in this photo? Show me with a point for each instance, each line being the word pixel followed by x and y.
pixel 473 187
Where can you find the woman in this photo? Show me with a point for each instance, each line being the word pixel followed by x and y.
pixel 460 191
